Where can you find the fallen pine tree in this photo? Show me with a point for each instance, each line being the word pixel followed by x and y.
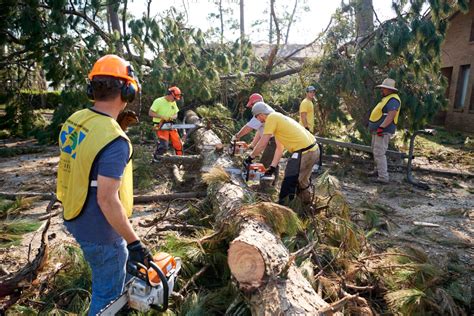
pixel 257 258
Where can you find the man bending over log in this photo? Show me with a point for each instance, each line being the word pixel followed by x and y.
pixel 255 124
pixel 289 135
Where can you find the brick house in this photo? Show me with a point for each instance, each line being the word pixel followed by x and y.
pixel 457 60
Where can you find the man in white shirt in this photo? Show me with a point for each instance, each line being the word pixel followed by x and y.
pixel 258 126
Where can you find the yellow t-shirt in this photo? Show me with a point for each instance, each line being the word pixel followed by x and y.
pixel 307 107
pixel 164 108
pixel 288 132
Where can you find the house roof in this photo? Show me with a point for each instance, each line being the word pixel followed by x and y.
pixel 263 50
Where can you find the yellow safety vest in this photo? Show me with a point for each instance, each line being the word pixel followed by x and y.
pixel 377 112
pixel 82 137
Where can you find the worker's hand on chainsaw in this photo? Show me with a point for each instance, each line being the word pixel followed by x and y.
pixel 380 131
pixel 137 252
pixel 248 161
pixel 270 171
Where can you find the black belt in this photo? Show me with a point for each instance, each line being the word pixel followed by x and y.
pixel 305 149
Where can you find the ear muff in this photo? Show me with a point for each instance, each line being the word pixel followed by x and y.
pixel 90 91
pixel 128 92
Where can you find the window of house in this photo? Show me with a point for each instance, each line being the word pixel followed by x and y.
pixel 448 73
pixel 471 38
pixel 461 89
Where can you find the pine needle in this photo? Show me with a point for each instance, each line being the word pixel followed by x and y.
pixel 280 218
pixel 216 175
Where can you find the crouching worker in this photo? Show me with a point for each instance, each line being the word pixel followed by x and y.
pixel 289 135
pixel 165 110
pixel 95 184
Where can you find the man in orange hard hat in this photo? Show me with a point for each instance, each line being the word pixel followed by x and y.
pixel 165 110
pixel 95 181
pixel 258 126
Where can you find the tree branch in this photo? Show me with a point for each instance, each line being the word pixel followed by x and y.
pixel 296 51
pixel 83 15
pixel 290 22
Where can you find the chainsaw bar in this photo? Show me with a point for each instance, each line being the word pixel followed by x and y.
pixel 170 126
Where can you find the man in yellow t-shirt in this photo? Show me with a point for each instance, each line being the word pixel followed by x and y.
pixel 307 109
pixel 293 137
pixel 163 110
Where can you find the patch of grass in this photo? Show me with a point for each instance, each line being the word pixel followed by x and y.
pixel 453 212
pixel 11 231
pixel 9 208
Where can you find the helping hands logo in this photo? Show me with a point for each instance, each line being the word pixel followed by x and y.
pixel 70 139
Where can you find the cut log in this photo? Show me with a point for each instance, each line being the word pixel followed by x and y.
pixel 257 258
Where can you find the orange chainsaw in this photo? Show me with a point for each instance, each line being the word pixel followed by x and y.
pixel 149 288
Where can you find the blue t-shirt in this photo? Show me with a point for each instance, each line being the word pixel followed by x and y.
pixel 392 105
pixel 91 224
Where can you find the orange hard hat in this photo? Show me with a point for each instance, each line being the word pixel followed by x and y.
pixel 176 92
pixel 254 98
pixel 114 66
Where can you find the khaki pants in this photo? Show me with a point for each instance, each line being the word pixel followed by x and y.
pixel 379 148
pixel 308 160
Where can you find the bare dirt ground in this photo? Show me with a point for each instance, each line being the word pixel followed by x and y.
pixel 449 204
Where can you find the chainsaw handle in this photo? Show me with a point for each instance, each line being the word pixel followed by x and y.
pixel 164 282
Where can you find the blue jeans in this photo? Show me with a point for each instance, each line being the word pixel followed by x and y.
pixel 107 262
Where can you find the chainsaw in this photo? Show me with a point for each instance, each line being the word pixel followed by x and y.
pixel 170 126
pixel 149 288
pixel 253 173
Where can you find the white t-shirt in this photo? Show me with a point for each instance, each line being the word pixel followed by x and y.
pixel 256 125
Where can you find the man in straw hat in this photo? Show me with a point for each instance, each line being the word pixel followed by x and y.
pixel 383 124
pixel 289 135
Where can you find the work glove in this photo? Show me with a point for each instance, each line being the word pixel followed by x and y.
pixel 127 118
pixel 270 171
pixel 137 252
pixel 380 131
pixel 248 161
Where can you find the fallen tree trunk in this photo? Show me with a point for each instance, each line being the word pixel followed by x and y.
pixel 179 160
pixel 138 199
pixel 143 199
pixel 257 258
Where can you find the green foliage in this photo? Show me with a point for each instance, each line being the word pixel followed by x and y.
pixel 281 219
pixel 11 231
pixel 143 169
pixel 406 49
pixel 70 101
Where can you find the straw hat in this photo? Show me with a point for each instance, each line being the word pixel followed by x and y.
pixel 388 83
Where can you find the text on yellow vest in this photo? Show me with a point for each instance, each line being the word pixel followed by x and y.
pixel 82 137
